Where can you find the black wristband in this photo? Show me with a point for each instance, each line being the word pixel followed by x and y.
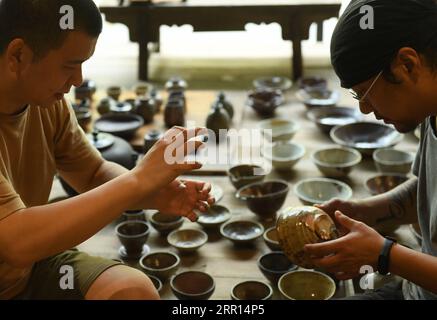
pixel 384 256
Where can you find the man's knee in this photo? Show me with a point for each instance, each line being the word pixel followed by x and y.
pixel 122 283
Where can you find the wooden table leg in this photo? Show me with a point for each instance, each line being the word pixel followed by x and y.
pixel 143 62
pixel 297 61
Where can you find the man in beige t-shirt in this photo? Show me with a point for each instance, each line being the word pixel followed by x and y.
pixel 39 137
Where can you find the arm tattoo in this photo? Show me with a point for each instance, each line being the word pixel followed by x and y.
pixel 402 199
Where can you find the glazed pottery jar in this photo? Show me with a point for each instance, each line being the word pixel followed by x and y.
pixel 226 104
pixel 299 226
pixel 218 120
pixel 174 113
pixel 105 105
pixel 157 98
pixel 150 139
pixel 146 109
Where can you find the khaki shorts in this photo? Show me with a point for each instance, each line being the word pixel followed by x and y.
pixel 46 279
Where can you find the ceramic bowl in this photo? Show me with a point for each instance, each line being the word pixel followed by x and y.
pixel 270 237
pixel 393 161
pixel 156 282
pixel 123 125
pixel 383 183
pixel 315 82
pixel 273 83
pixel 162 264
pixel 187 240
pixel 366 137
pixel 242 231
pixel 320 190
pixel 214 217
pixel 278 129
pixel 133 235
pixel 336 162
pixel 264 198
pixel 192 285
pixel 165 223
pixel 315 97
pixel 251 290
pixel 327 118
pixel 274 264
pixel 245 174
pixel 134 215
pixel 265 101
pixel 284 155
pixel 306 285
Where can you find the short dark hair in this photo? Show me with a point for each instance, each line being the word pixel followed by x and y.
pixel 37 22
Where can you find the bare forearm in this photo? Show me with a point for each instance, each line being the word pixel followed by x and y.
pixel 111 170
pixel 398 205
pixel 32 234
pixel 414 266
pixel 106 172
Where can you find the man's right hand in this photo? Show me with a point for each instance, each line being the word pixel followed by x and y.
pixel 166 160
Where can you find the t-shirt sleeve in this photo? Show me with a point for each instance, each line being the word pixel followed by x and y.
pixel 10 201
pixel 73 151
pixel 416 163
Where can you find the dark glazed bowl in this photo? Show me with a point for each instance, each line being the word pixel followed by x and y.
pixel 192 285
pixel 245 174
pixel 251 290
pixel 160 264
pixel 274 264
pixel 265 101
pixel 264 198
pixel 366 137
pixel 327 118
pixel 242 232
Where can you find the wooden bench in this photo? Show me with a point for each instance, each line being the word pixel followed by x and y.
pixel 144 20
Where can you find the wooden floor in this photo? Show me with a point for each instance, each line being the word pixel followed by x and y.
pixel 226 263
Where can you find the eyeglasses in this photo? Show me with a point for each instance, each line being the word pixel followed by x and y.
pixel 356 96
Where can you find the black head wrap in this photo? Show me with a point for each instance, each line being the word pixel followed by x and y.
pixel 359 54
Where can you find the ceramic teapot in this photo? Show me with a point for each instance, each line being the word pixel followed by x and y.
pixel 105 105
pixel 217 120
pixel 299 226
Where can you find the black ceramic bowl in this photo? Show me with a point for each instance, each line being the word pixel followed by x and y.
pixel 366 137
pixel 251 290
pixel 274 264
pixel 192 285
pixel 245 174
pixel 327 118
pixel 264 198
pixel 265 101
